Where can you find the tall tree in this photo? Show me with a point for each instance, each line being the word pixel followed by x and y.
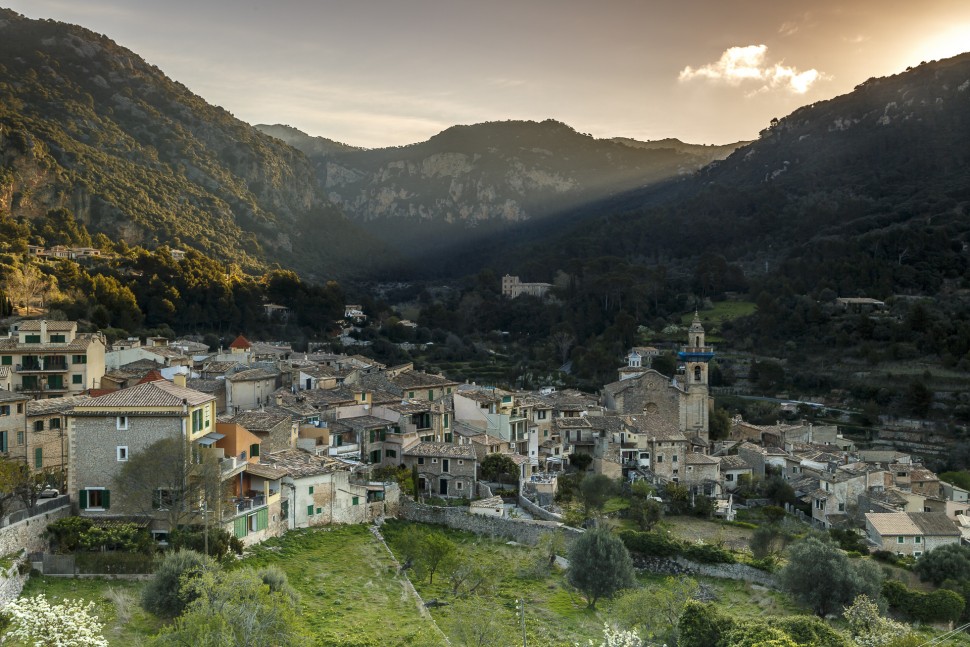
pixel 822 577
pixel 599 565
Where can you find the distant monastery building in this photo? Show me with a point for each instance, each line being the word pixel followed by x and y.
pixel 513 287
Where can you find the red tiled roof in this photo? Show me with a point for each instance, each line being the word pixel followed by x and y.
pixel 151 376
pixel 240 342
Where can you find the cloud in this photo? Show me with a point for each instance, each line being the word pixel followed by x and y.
pixel 748 65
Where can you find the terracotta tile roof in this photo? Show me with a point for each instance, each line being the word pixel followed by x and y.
pixel 241 343
pixel 934 523
pixel 417 380
pixel 299 464
pixel 734 463
pixel 151 376
pixel 253 374
pixel 265 471
pixel 54 405
pixel 361 423
pixel 79 343
pixel 893 523
pixel 256 421
pixel 694 458
pixel 446 450
pixel 161 393
pixel 33 325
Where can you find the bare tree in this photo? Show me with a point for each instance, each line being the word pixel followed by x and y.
pixel 563 341
pixel 27 285
pixel 164 481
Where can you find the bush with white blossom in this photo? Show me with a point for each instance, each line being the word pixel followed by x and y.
pixel 37 622
pixel 618 638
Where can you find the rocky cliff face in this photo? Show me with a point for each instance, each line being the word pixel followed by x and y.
pixel 89 126
pixel 489 176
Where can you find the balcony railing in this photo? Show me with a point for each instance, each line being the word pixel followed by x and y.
pixel 45 367
pixel 33 388
pixel 245 504
pixel 346 448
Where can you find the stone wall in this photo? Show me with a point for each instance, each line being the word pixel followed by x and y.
pixel 26 535
pixel 681 566
pixel 537 512
pixel 523 531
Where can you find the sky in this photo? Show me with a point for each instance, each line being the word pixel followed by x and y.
pixel 378 73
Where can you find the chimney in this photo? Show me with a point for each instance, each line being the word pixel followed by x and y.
pixel 43 331
pixel 179 379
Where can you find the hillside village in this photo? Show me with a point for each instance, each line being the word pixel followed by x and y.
pixel 302 439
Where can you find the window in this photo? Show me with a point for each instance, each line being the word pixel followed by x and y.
pixel 917 553
pixel 94 498
pixel 31 339
pixel 541 415
pixel 58 339
pixel 448 390
pixel 197 420
pixel 447 438
pixel 165 498
pixel 900 540
pixel 254 449
pixel 461 462
pixel 38 425
pixel 729 477
pixel 319 510
pixel 79 359
pixel 390 453
pixel 259 520
pixel 420 460
pixel 841 507
pixel 445 465
pixel 20 407
pixel 77 379
pixel 819 504
pixel 3 441
pixel 6 360
pixel 917 540
pixel 447 421
pixel 311 489
pixel 660 458
pixel 55 423
pixel 434 461
pixel 411 394
pixel 121 452
pixel 674 459
pixel 309 511
pixel 5 410
pixel 20 438
pixel 431 394
pixel 459 485
pixel 122 422
pixel 356 500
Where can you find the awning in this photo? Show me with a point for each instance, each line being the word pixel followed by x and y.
pixel 210 439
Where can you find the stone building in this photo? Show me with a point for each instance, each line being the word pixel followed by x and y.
pixel 50 359
pixel 680 403
pixel 444 469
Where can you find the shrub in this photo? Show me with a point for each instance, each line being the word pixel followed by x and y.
pixel 166 594
pixel 703 625
pixel 941 605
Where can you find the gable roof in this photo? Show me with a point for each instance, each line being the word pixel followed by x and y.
pixel 446 450
pixel 241 343
pixel 160 393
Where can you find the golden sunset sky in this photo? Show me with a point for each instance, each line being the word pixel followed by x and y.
pixel 390 72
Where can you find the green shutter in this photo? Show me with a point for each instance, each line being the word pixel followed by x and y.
pixel 106 497
pixel 82 499
pixel 254 449
pixel 241 527
pixel 356 500
pixel 446 421
pixel 6 360
pixel 311 489
pixel 39 457
pixel 309 510
pixel 262 519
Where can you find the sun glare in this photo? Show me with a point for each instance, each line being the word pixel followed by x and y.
pixel 944 44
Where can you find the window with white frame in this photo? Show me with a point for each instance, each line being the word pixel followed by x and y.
pixel 121 422
pixel 94 498
pixel 121 453
pixel 900 540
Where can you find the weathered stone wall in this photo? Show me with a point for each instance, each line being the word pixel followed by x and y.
pixel 537 512
pixel 681 566
pixel 26 535
pixel 524 531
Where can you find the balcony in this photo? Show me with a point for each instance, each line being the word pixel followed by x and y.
pixel 344 449
pixel 42 367
pixel 41 388
pixel 248 503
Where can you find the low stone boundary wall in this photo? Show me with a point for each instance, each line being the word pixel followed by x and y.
pixel 523 531
pixel 536 511
pixel 681 566
pixel 29 534
pixel 11 584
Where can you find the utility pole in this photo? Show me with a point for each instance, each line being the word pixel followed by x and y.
pixel 521 608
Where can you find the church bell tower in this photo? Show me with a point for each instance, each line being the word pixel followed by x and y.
pixel 696 356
